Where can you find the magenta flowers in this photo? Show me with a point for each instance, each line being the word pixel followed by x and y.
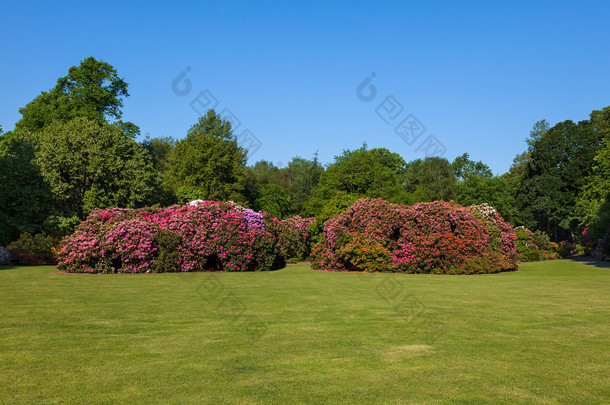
pixel 200 236
pixel 438 237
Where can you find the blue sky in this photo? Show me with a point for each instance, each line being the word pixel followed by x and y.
pixel 476 75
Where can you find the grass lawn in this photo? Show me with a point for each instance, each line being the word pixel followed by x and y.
pixel 539 335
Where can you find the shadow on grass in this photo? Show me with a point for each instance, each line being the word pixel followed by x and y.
pixel 590 261
pixel 9 266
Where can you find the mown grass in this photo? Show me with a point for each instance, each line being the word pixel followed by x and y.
pixel 539 335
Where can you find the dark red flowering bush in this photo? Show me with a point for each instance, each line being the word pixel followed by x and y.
pixel 438 237
pixel 199 236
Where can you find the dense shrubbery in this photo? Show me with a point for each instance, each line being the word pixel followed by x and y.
pixel 439 237
pixel 534 246
pixel 31 250
pixel 199 236
pixel 294 238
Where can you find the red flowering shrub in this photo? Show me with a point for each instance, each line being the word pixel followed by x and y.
pixel 438 237
pixel 199 236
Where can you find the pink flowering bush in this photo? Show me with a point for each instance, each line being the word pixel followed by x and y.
pixel 438 237
pixel 199 236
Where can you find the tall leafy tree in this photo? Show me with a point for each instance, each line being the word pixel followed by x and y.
pixel 24 195
pixel 92 90
pixel 299 180
pixel 464 168
pixel 89 164
pixel 208 164
pixel 273 200
pixel 559 162
pixel 160 150
pixel 593 206
pixel 431 179
pixel 363 173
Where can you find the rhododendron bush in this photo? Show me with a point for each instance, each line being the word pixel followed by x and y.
pixel 438 237
pixel 199 236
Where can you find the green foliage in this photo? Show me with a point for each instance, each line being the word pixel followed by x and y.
pixel 433 177
pixel 336 205
pixel 299 180
pixel 92 165
pixel 561 158
pixel 61 226
pixel 365 254
pixel 24 195
pixel 464 168
pixel 273 200
pixel 482 264
pixel 363 173
pixel 31 250
pixel 495 190
pixel 160 150
pixel 593 206
pixel 168 243
pixel 92 90
pixel 208 163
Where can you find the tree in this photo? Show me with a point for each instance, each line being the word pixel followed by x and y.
pixel 24 202
pixel 92 90
pixel 208 164
pixel 363 173
pixel 464 168
pixel 273 200
pixel 560 160
pixel 299 180
pixel 593 206
pixel 432 177
pixel 495 191
pixel 160 149
pixel 88 164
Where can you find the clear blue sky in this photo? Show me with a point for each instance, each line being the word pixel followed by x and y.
pixel 477 75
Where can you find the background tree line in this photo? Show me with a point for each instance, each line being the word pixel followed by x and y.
pixel 71 152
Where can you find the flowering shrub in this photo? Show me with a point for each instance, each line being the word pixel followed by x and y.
pixel 198 236
pixel 31 250
pixel 5 256
pixel 438 237
pixel 294 238
pixel 534 246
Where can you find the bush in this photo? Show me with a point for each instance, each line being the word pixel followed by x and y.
pixel 5 256
pixel 294 238
pixel 534 246
pixel 32 250
pixel 199 236
pixel 567 249
pixel 439 237
pixel 526 248
pixel 366 254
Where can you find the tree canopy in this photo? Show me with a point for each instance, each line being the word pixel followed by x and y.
pixel 208 163
pixel 92 90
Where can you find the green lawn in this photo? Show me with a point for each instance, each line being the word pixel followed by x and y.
pixel 539 335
